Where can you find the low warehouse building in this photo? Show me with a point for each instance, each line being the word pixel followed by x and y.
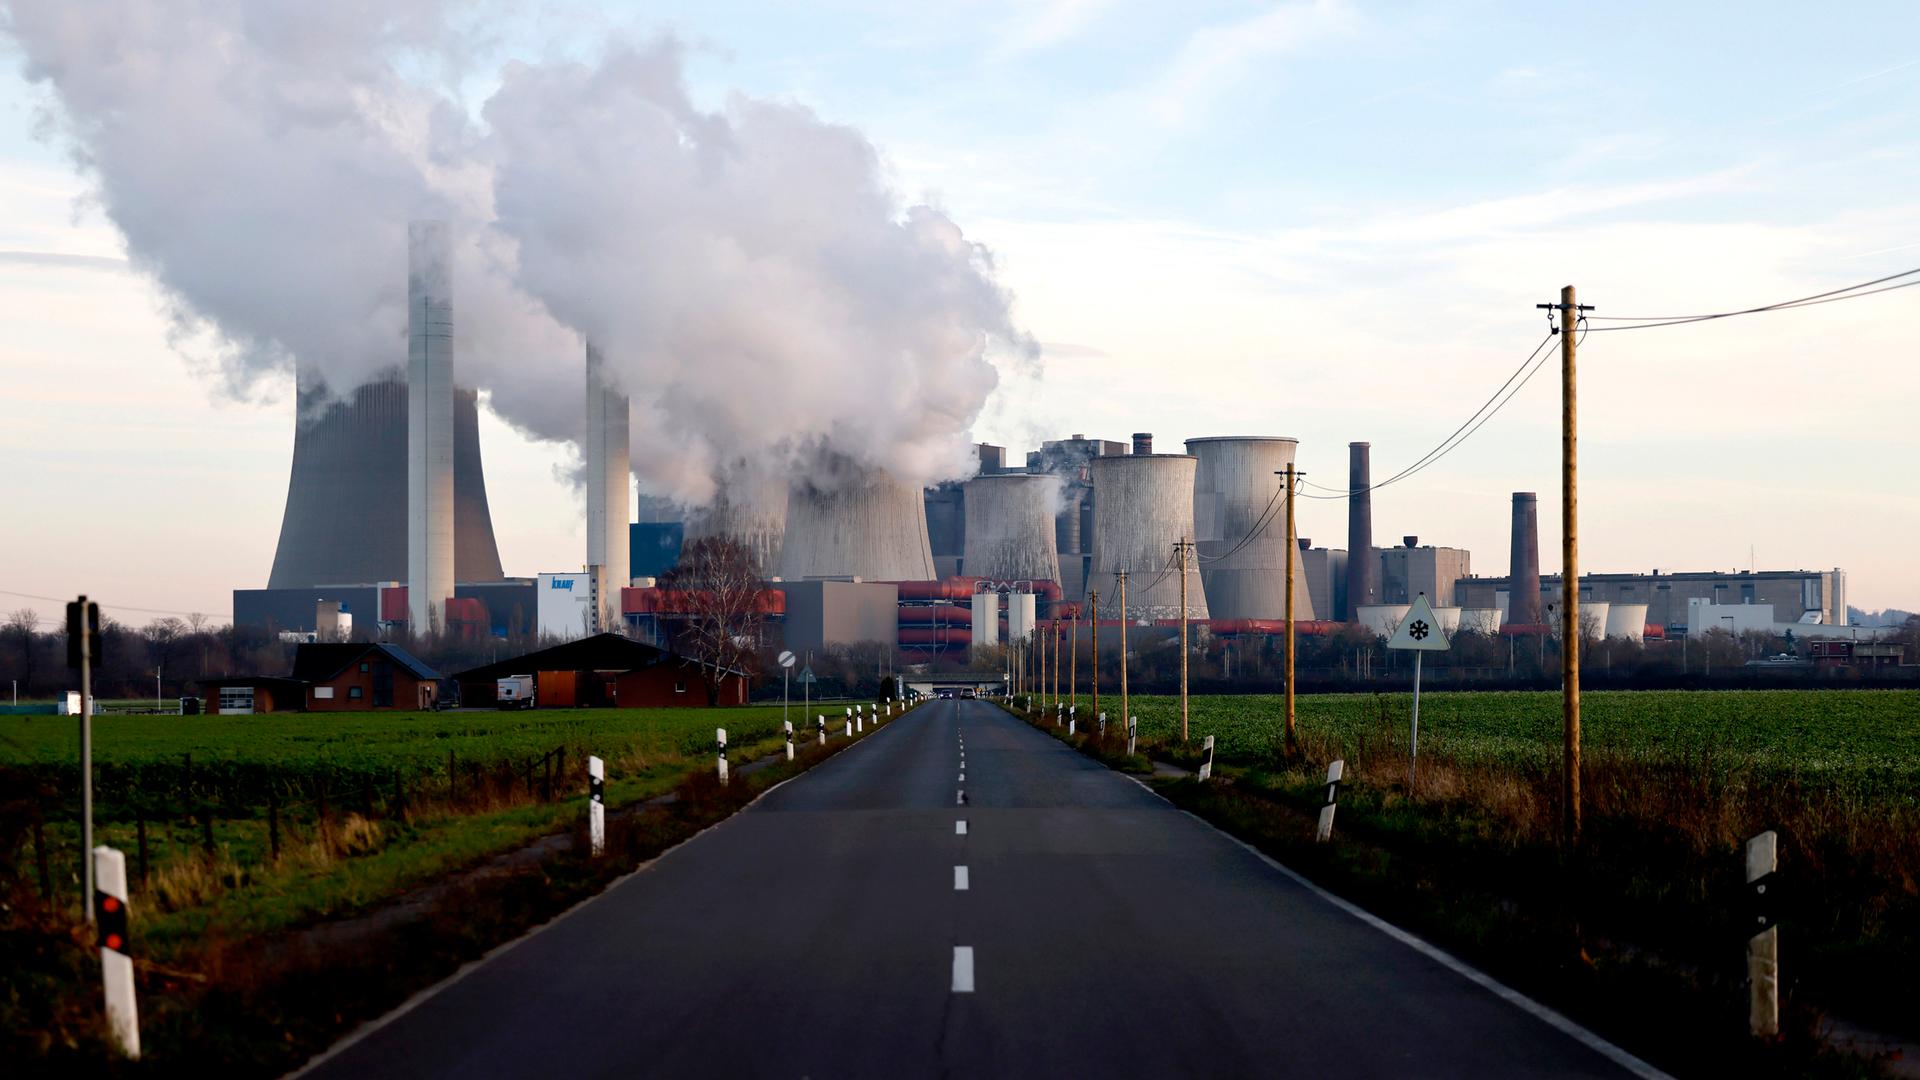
pixel 330 677
pixel 605 671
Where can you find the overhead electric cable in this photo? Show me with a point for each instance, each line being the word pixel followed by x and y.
pixel 1851 292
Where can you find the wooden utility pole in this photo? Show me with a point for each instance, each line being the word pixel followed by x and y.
pixel 1124 703
pixel 1073 662
pixel 1181 547
pixel 1056 663
pixel 1292 545
pixel 1093 600
pixel 1569 566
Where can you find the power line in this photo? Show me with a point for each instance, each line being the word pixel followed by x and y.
pixel 1462 433
pixel 115 607
pixel 1851 292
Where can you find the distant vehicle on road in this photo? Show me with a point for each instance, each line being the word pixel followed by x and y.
pixel 968 695
pixel 513 692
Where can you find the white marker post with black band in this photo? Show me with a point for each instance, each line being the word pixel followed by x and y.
pixel 116 960
pixel 788 725
pixel 1206 767
pixel 1335 771
pixel 1133 728
pixel 720 736
pixel 1763 948
pixel 1103 727
pixel 596 805
pixel 822 721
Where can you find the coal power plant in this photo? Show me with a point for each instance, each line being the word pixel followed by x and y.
pixel 387 529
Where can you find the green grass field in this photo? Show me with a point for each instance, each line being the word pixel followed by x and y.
pixel 178 773
pixel 1870 734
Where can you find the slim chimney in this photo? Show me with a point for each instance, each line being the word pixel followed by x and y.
pixel 607 469
pixel 429 426
pixel 1363 563
pixel 1143 442
pixel 1523 605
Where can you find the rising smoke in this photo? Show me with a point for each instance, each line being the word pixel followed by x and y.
pixel 754 284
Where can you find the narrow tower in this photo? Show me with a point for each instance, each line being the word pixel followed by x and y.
pixel 430 433
pixel 607 469
pixel 1363 562
pixel 1523 603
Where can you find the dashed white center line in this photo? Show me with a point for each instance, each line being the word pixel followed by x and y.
pixel 960 799
pixel 963 778
pixel 959 879
pixel 963 969
pixel 960 828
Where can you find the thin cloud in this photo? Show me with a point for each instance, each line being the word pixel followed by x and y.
pixel 1216 59
pixel 62 260
pixel 1056 22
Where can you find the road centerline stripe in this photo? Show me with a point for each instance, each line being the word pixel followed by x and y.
pixel 960 883
pixel 963 969
pixel 960 827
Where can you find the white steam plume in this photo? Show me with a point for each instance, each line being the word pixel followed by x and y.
pixel 754 284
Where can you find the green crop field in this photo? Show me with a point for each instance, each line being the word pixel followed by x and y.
pixel 435 791
pixel 1872 734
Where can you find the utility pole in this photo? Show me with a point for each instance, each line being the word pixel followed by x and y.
pixel 1073 662
pixel 1124 703
pixel 1056 661
pixel 1293 546
pixel 1570 565
pixel 1181 547
pixel 1093 599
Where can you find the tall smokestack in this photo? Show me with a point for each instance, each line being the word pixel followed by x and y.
pixel 1363 564
pixel 1143 442
pixel 607 466
pixel 1523 604
pixel 430 433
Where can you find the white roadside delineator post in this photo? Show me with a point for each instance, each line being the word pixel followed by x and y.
pixel 596 805
pixel 1133 728
pixel 849 729
pixel 822 721
pixel 116 962
pixel 1763 948
pixel 1206 767
pixel 1324 831
pixel 1103 727
pixel 720 736
pixel 788 725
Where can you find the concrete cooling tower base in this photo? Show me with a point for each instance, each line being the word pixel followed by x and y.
pixel 873 528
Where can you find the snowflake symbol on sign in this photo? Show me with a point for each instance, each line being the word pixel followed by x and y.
pixel 1418 631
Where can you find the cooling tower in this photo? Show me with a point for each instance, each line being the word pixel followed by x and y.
pixel 1240 527
pixel 1363 560
pixel 346 517
pixel 1010 528
pixel 1627 621
pixel 1523 605
pixel 871 527
pixel 753 512
pixel 1142 507
pixel 429 425
pixel 606 454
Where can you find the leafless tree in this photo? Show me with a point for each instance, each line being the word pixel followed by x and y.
pixel 719 580
pixel 164 637
pixel 21 624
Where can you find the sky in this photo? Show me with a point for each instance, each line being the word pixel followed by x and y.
pixel 1319 219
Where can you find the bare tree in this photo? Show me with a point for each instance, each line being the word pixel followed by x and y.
pixel 164 638
pixel 718 579
pixel 21 625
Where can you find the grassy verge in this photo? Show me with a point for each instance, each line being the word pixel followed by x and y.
pixel 1639 936
pixel 230 979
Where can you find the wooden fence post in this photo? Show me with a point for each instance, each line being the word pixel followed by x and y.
pixel 140 833
pixel 40 860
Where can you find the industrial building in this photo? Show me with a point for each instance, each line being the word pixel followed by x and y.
pixel 331 677
pixel 1240 524
pixel 868 525
pixel 1069 460
pixel 1791 594
pixel 605 671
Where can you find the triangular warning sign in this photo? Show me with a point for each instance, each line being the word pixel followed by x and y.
pixel 1420 630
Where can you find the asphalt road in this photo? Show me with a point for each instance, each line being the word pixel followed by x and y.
pixel 824 932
